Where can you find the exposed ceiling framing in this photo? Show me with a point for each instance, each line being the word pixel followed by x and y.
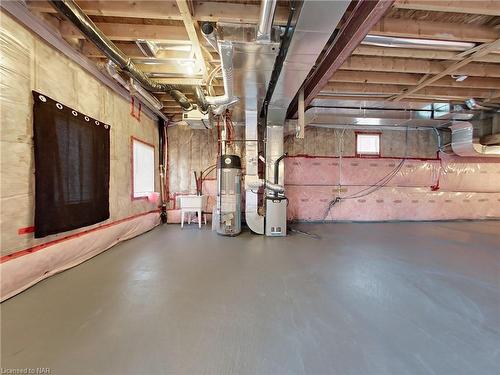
pixel 364 71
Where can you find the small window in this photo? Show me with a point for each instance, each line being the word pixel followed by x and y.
pixel 143 169
pixel 367 144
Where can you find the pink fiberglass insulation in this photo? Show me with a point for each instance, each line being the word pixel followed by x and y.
pixel 451 188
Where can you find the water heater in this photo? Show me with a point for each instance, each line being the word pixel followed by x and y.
pixel 228 209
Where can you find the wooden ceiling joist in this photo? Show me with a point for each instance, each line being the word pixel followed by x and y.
pixel 417 54
pixel 484 7
pixel 444 92
pixel 410 79
pixel 236 12
pixel 485 49
pixel 131 50
pixel 204 11
pixel 131 32
pixel 434 30
pixel 189 23
pixel 392 64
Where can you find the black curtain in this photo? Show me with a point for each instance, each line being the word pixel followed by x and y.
pixel 71 168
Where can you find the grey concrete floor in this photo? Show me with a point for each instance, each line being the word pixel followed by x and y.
pixel 378 298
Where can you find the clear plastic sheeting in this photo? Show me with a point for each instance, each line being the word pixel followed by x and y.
pixel 27 63
pixel 449 188
pixel 24 271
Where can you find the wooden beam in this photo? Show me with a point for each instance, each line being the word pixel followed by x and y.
pixel 484 7
pixel 204 11
pixel 417 54
pixel 362 18
pixel 410 79
pixel 193 36
pixel 131 50
pixel 392 64
pixel 401 27
pixel 486 48
pixel 237 13
pixel 172 68
pixel 131 9
pixel 131 32
pixel 90 50
pixel 444 92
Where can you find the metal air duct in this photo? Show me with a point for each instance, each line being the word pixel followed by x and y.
pixel 314 26
pixel 397 42
pixel 75 15
pixel 464 144
pixel 264 27
pixel 225 49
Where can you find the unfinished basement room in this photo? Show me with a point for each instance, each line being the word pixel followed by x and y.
pixel 266 187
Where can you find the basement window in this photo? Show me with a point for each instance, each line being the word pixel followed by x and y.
pixel 143 169
pixel 367 144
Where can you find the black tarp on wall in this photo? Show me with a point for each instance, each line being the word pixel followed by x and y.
pixel 71 168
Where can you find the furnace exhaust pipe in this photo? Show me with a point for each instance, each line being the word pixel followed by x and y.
pixel 70 10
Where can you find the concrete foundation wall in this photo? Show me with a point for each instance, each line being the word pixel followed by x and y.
pixel 29 64
pixel 420 143
pixel 424 188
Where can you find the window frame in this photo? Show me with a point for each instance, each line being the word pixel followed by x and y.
pixel 132 193
pixel 368 155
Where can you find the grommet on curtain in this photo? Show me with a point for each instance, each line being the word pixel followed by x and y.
pixel 42 98
pixel 59 105
pixel 87 118
pixel 97 122
pixel 106 126
pixel 74 113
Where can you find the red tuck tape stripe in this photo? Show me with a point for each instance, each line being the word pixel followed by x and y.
pixel 25 230
pixel 42 246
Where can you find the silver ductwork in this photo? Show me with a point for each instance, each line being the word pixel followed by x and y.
pixel 254 220
pixel 315 25
pixel 463 142
pixel 397 42
pixel 75 15
pixel 326 117
pixel 264 27
pixel 225 49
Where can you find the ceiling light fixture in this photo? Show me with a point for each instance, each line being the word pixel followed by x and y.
pixel 459 78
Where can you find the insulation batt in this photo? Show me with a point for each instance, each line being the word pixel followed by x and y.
pixel 468 189
pixel 27 64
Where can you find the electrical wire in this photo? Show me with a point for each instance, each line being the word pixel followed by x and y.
pixel 374 187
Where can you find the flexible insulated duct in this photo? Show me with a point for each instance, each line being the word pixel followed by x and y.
pixel 225 49
pixel 132 87
pixel 75 15
pixel 463 142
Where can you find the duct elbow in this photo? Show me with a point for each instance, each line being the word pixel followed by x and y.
pixel 225 50
pixel 275 188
